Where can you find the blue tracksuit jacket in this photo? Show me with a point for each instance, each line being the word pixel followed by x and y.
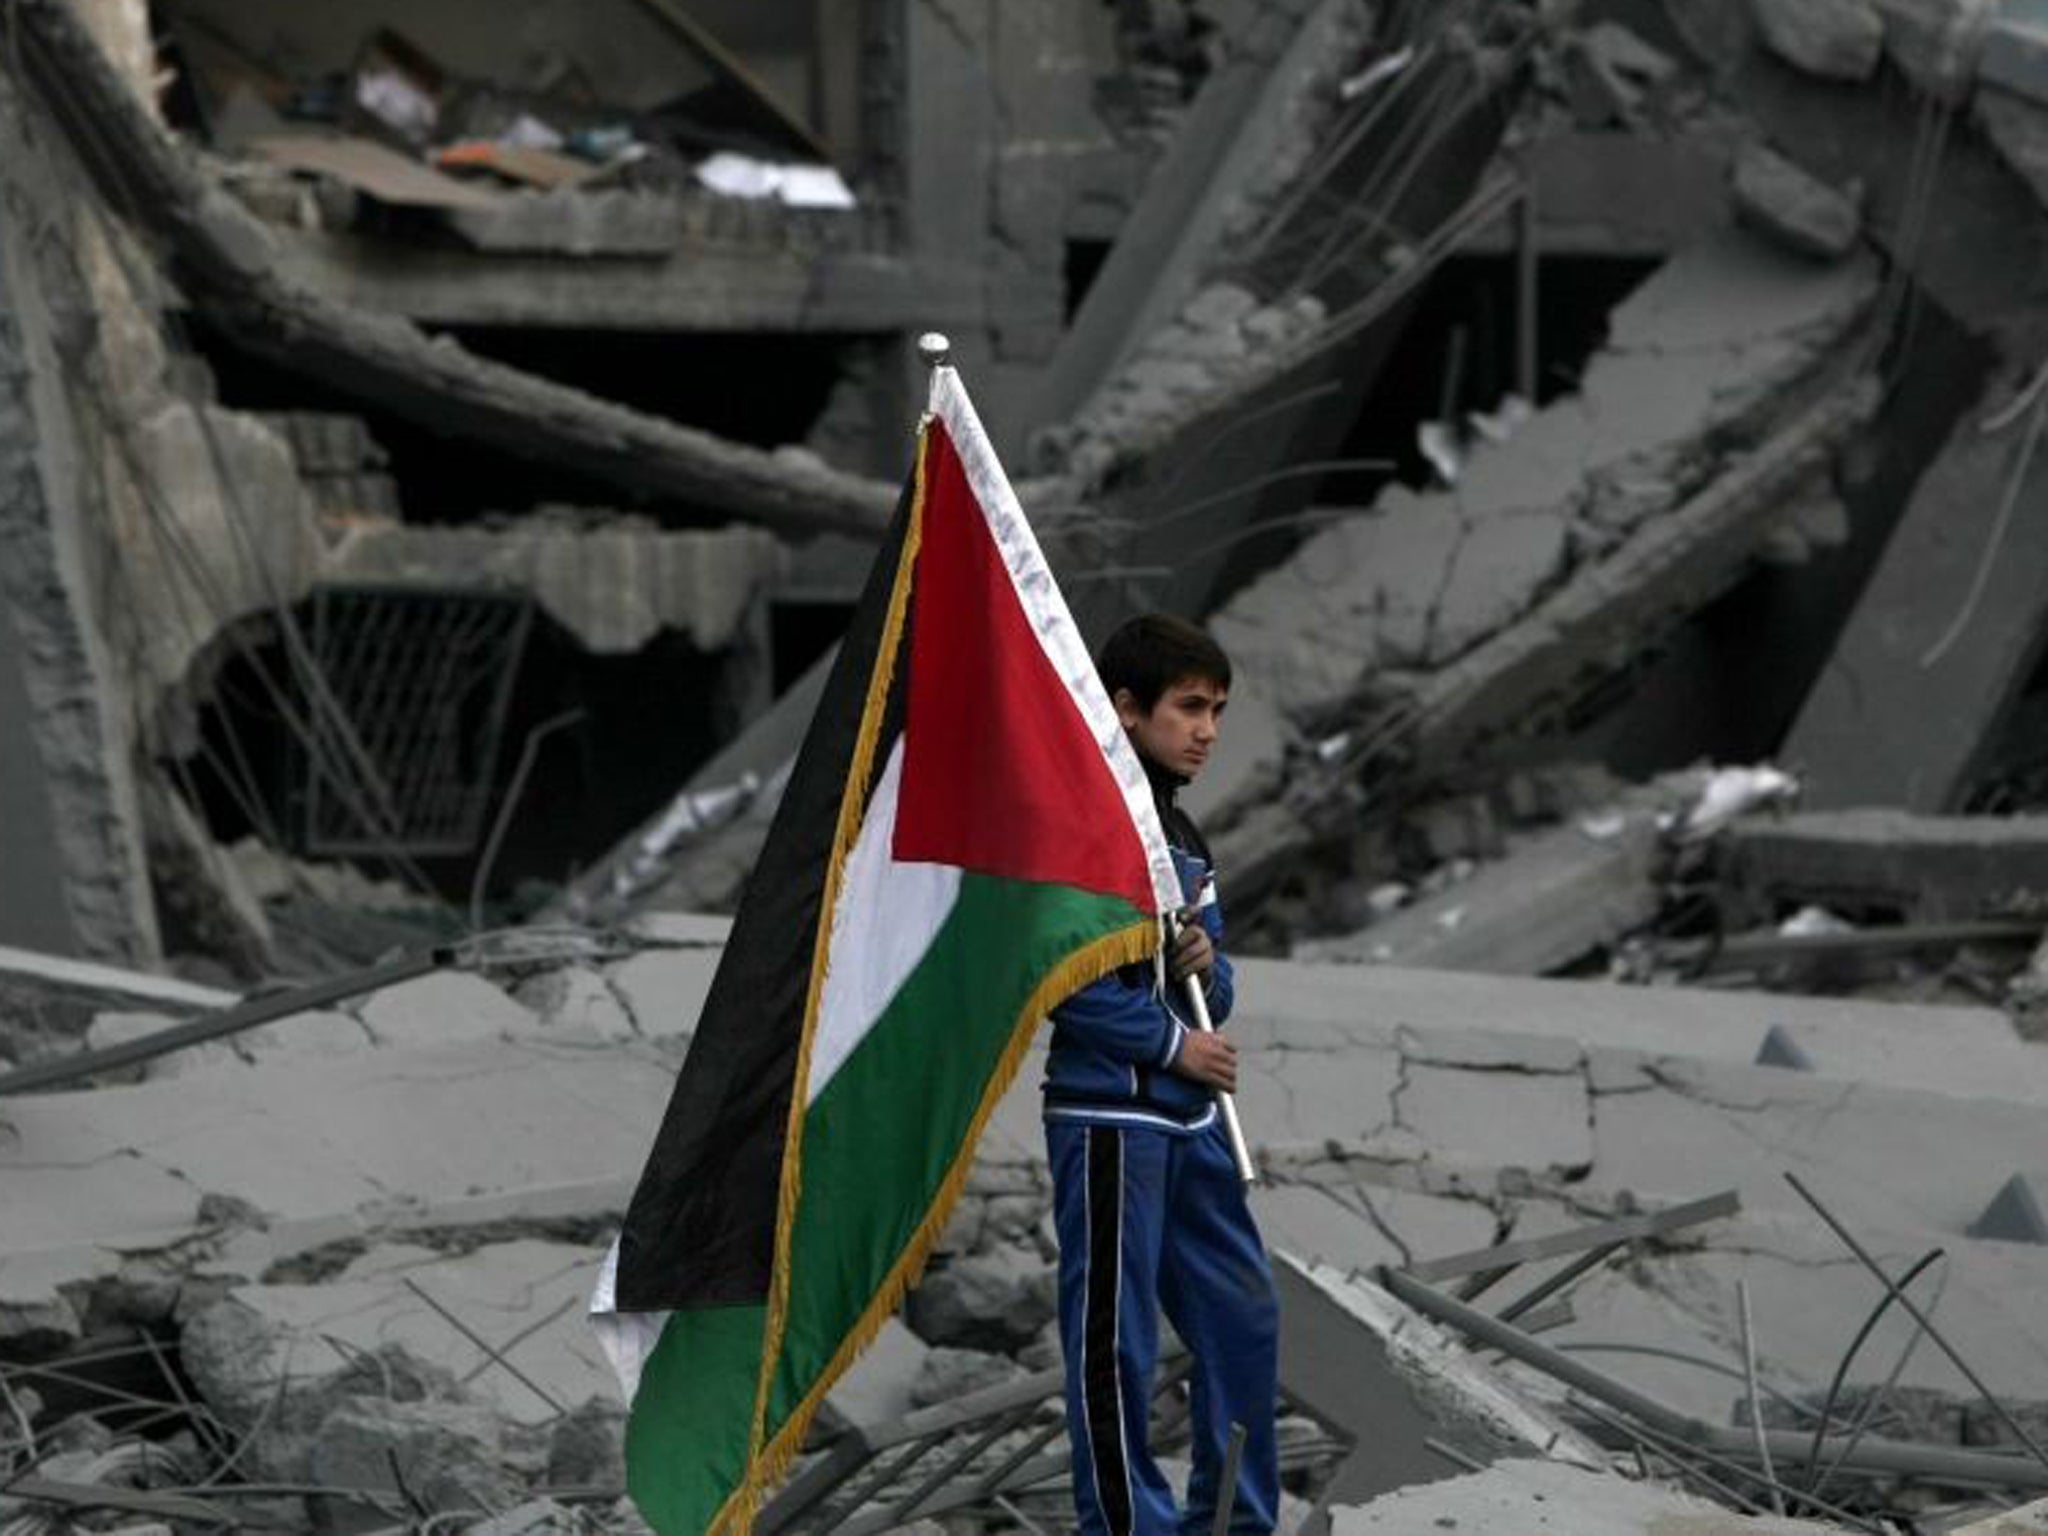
pixel 1150 1213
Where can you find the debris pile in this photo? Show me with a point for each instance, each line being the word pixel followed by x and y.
pixel 442 455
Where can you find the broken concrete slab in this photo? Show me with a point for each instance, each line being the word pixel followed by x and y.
pixel 579 998
pixel 1835 39
pixel 1553 898
pixel 1884 1156
pixel 2029 1520
pixel 663 990
pixel 1530 1495
pixel 881 1384
pixel 1353 1225
pixel 1808 1294
pixel 524 1299
pixel 614 588
pixel 231 267
pixel 1922 868
pixel 1781 200
pixel 1426 578
pixel 443 1008
pixel 450 1457
pixel 550 1123
pixel 1295 1008
pixel 1389 1379
pixel 119 1027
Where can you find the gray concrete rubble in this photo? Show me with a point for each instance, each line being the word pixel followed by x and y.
pixel 440 454
pixel 1547 1496
pixel 1429 575
pixel 1549 898
pixel 613 588
pixel 1928 868
pixel 419 1188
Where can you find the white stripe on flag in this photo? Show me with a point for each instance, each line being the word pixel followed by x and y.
pixel 887 917
pixel 627 1338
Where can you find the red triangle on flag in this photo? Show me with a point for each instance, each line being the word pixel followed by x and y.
pixel 1001 774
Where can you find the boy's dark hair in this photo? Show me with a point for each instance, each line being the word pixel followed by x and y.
pixel 1152 652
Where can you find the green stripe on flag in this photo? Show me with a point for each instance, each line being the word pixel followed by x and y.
pixel 686 1437
pixel 882 1138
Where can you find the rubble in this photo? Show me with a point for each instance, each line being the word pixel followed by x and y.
pixel 1780 199
pixel 1835 39
pixel 1547 1496
pixel 1542 409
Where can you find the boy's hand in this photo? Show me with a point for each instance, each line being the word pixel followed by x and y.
pixel 1208 1059
pixel 1192 952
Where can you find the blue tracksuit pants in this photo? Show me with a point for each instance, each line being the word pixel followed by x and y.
pixel 1150 1220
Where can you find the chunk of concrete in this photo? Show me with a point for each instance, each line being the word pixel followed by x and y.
pixel 2013 1216
pixel 449 1457
pixel 1548 1496
pixel 1698 360
pixel 880 1386
pixel 2028 1520
pixel 315 1036
pixel 119 1027
pixel 1780 1049
pixel 1798 210
pixel 664 989
pixel 996 1300
pixel 1835 39
pixel 443 1008
pixel 579 998
pixel 523 1298
pixel 949 1374
pixel 550 1124
pixel 1942 640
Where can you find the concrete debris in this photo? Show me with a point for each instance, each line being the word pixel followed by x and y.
pixel 448 1457
pixel 1780 1049
pixel 1920 868
pixel 1784 202
pixel 2013 1216
pixel 1427 577
pixel 613 588
pixel 1940 644
pixel 1531 1495
pixel 2031 1520
pixel 1550 898
pixel 1719 327
pixel 1835 39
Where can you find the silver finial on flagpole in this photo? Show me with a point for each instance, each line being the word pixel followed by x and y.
pixel 935 348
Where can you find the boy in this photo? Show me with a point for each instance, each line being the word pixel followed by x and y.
pixel 1147 1202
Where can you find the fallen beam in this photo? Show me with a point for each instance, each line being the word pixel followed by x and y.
pixel 231 270
pixel 1557 897
pixel 1928 869
pixel 1946 633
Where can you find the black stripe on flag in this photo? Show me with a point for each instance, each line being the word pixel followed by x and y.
pixel 701 1229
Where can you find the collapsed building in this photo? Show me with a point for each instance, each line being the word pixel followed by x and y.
pixel 444 445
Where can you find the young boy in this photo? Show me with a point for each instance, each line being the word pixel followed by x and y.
pixel 1147 1201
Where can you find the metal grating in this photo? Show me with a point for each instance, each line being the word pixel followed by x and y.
pixel 404 746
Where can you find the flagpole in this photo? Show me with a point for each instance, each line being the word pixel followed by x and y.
pixel 1226 1103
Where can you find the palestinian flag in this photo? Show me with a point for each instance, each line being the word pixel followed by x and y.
pixel 966 838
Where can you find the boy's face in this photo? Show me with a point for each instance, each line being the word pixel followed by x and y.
pixel 1178 732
